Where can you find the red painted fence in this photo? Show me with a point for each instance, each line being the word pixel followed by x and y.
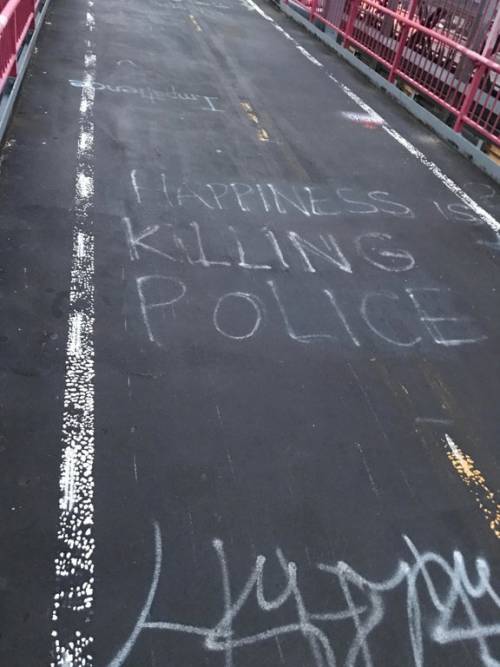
pixel 444 50
pixel 17 20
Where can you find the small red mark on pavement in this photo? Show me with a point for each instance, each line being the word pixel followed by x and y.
pixel 369 120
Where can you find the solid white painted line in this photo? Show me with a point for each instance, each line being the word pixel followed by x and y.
pixel 445 180
pixel 74 564
pixel 75 334
pixel 486 217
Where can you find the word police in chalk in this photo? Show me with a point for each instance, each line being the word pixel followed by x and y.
pixel 449 592
pixel 240 316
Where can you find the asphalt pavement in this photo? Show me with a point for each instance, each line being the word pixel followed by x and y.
pixel 249 344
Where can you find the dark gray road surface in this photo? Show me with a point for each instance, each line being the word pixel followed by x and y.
pixel 296 345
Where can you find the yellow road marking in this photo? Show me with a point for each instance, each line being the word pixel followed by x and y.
pixel 262 133
pixel 195 23
pixel 476 482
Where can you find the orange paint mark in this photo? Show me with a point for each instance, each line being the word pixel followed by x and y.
pixel 475 480
pixel 262 133
pixel 195 23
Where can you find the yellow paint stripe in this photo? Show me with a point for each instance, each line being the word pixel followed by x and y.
pixel 476 482
pixel 195 23
pixel 262 133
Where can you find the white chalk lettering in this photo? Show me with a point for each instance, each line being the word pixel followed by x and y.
pixel 140 188
pixel 374 247
pixel 280 198
pixel 218 195
pixel 365 207
pixel 165 190
pixel 152 95
pixel 463 212
pixel 458 212
pixel 185 192
pixel 434 323
pixel 202 257
pixel 210 104
pixel 307 248
pixel 135 241
pixel 260 190
pixel 242 190
pixel 395 260
pixel 316 203
pixel 249 298
pixel 289 200
pixel 367 298
pixel 439 208
pixel 300 338
pixel 388 316
pixel 329 293
pixel 142 282
pixel 391 207
pixel 276 247
pixel 425 582
pixel 242 255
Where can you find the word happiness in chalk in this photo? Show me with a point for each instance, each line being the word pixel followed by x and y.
pixel 445 602
pixel 304 200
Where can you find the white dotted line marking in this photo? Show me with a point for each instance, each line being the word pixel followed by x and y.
pixel 74 565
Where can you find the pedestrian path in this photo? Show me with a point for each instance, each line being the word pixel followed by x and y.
pixel 249 343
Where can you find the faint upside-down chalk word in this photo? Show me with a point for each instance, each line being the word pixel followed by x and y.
pixel 426 580
pixel 208 103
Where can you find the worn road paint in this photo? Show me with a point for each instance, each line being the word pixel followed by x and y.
pixel 126 61
pixel 197 26
pixel 74 564
pixel 474 479
pixel 247 108
pixel 367 119
pixel 493 245
pixel 262 134
pixel 367 469
pixel 8 145
pixel 486 217
pixel 433 420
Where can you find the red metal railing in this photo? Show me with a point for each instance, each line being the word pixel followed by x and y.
pixel 443 49
pixel 17 19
